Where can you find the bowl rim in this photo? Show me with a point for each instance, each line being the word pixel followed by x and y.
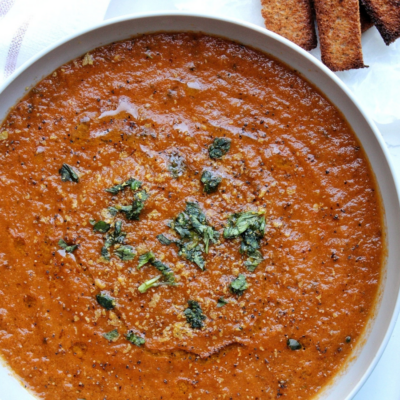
pixel 285 42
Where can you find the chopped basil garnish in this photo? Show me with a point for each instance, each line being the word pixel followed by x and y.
pixel 192 251
pixel 239 285
pixel 149 284
pixel 164 240
pixel 111 336
pixel 105 300
pixel 293 344
pixel 101 227
pixel 239 223
pixel 221 302
pixel 134 184
pixel 194 315
pixel 199 224
pixel 68 174
pixel 116 237
pixel 145 258
pixel 135 339
pixel 196 235
pixel 69 248
pixel 125 252
pixel 250 226
pixel 210 181
pixel 105 253
pixel 254 258
pixel 166 271
pixel 163 268
pixel 219 147
pixel 133 211
pixel 113 211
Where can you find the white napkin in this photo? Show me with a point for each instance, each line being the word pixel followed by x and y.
pixel 29 26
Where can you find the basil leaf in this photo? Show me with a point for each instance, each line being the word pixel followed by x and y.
pixel 135 184
pixel 196 235
pixel 164 240
pixel 68 174
pixel 114 189
pixel 238 223
pixel 118 229
pixel 250 226
pixel 132 183
pixel 125 253
pixel 105 300
pixel 210 182
pixel 101 227
pixel 200 225
pixel 113 238
pixel 144 287
pixel 105 253
pixel 166 271
pixel 163 268
pixel 69 248
pixel 111 336
pixel 194 315
pixel 239 285
pixel 116 237
pixel 135 339
pixel 113 211
pixel 219 147
pixel 192 251
pixel 221 302
pixel 254 259
pixel 294 344
pixel 133 211
pixel 145 258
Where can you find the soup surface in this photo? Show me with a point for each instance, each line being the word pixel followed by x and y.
pixel 270 259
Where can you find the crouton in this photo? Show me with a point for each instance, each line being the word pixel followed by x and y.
pixel 292 19
pixel 340 33
pixel 366 21
pixel 385 14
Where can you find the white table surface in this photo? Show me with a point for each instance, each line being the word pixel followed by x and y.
pixel 377 88
pixel 384 382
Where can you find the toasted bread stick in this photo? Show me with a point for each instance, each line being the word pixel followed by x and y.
pixel 292 19
pixel 366 21
pixel 385 14
pixel 339 33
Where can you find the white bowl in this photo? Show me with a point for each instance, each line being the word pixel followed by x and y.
pixel 377 334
